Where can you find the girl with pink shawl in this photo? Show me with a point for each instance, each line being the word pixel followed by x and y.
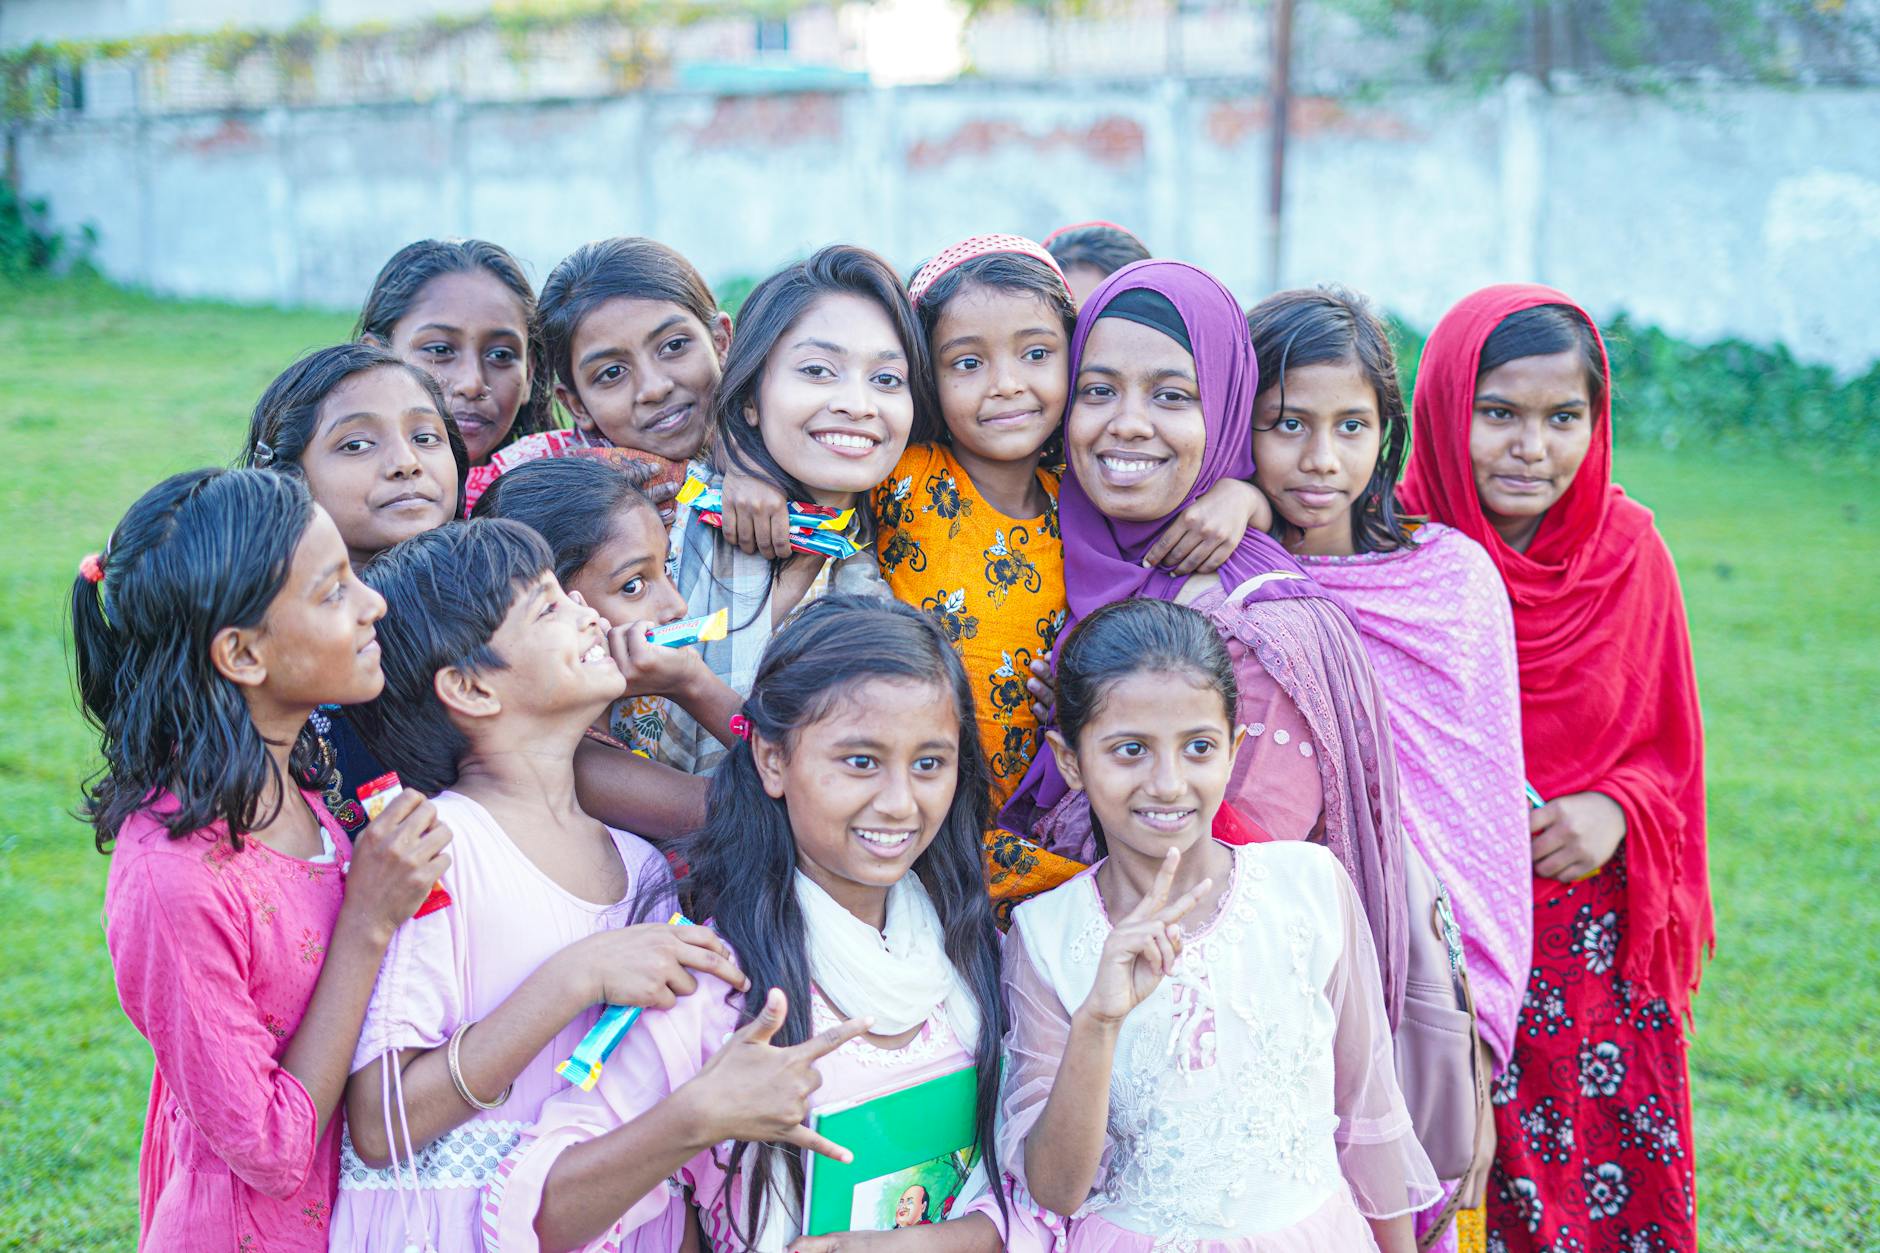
pixel 1317 761
pixel 1330 438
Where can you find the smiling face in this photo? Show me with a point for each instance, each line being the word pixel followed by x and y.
pixel 867 787
pixel 1136 434
pixel 1154 759
pixel 558 669
pixel 1000 361
pixel 911 1209
pixel 645 372
pixel 1315 453
pixel 317 639
pixel 471 333
pixel 1530 430
pixel 625 580
pixel 834 405
pixel 379 461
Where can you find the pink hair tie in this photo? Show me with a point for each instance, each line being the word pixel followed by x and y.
pixel 979 246
pixel 741 727
pixel 92 568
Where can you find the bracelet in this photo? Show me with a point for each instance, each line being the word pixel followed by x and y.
pixel 456 1072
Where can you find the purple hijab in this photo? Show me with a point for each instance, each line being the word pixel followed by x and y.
pixel 1103 555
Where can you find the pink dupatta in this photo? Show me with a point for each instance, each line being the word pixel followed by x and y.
pixel 1436 622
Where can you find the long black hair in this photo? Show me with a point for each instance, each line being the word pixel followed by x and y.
pixel 199 552
pixel 397 286
pixel 1542 331
pixel 772 308
pixel 1141 635
pixel 626 267
pixel 743 861
pixel 1329 326
pixel 1014 272
pixel 288 412
pixel 571 502
pixel 446 594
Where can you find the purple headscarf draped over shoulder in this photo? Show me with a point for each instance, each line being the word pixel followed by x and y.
pixel 1103 555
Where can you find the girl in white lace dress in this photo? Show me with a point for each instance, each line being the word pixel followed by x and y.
pixel 1198 1057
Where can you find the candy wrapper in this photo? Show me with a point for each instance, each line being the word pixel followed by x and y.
pixel 816 529
pixel 375 795
pixel 712 626
pixel 583 1067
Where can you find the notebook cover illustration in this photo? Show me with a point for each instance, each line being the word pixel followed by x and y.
pixel 913 1151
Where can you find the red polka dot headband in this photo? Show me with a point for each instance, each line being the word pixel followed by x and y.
pixel 979 246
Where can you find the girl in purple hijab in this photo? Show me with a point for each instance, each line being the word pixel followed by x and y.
pixel 1163 385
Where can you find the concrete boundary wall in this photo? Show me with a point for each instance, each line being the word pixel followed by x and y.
pixel 1732 211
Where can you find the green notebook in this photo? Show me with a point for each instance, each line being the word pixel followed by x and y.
pixel 913 1151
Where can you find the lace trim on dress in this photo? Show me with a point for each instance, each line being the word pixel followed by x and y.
pixel 463 1157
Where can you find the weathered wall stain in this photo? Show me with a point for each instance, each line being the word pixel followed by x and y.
pixel 1112 140
pixel 770 121
pixel 1234 122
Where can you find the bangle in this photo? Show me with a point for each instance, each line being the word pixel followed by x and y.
pixel 456 1072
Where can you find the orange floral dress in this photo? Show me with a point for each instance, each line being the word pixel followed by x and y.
pixel 996 587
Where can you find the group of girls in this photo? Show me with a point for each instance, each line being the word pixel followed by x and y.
pixel 1092 707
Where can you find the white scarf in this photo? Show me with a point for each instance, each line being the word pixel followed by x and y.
pixel 898 978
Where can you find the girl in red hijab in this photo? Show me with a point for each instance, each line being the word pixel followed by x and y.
pixel 1513 446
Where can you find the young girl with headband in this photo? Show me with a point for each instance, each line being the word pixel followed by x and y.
pixel 245 929
pixel 968 527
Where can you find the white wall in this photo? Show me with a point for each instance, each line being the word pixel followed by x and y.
pixel 1735 211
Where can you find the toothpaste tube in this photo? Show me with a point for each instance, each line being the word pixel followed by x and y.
pixel 712 626
pixel 814 528
pixel 583 1066
pixel 375 795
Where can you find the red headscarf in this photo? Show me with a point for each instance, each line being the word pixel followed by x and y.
pixel 1608 692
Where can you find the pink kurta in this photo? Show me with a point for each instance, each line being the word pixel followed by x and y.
pixel 216 954
pixel 505 919
pixel 663 1050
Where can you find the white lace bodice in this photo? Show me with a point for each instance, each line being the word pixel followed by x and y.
pixel 1222 1098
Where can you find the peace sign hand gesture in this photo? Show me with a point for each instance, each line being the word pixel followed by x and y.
pixel 753 1090
pixel 1142 948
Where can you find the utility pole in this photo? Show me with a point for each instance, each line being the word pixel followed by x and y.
pixel 1281 97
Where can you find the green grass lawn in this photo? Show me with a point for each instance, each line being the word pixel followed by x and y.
pixel 102 393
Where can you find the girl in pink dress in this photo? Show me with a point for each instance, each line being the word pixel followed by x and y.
pixel 842 864
pixel 1199 1057
pixel 244 928
pixel 492 674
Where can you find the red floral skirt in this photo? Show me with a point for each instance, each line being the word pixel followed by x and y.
pixel 1594 1111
